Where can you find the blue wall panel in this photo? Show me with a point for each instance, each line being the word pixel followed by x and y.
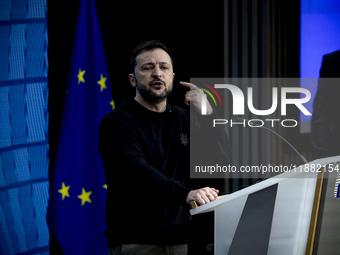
pixel 24 144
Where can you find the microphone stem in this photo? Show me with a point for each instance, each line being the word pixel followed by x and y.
pixel 302 158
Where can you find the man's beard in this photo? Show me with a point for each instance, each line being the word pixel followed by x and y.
pixel 149 96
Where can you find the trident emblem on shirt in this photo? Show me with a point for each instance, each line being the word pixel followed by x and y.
pixel 184 138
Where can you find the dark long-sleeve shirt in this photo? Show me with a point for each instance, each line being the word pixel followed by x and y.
pixel 146 162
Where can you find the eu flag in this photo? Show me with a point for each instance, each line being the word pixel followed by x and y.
pixel 76 207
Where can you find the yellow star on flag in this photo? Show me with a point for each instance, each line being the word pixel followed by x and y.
pixel 113 104
pixel 101 82
pixel 64 190
pixel 81 76
pixel 85 197
pixel 105 186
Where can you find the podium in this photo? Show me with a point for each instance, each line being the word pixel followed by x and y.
pixel 297 212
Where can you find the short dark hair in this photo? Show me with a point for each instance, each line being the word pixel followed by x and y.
pixel 146 46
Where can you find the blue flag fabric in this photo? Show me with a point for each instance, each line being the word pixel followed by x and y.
pixel 76 207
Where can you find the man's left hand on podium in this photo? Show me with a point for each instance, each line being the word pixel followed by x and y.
pixel 203 195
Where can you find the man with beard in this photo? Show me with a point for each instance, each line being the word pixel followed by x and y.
pixel 144 146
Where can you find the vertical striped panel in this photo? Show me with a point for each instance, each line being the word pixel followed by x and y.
pixel 17 114
pixel 25 198
pixel 36 50
pixel 5 133
pixel 38 156
pixel 17 229
pixel 21 162
pixel 36 116
pixel 40 200
pixel 255 46
pixel 5 10
pixel 4 51
pixel 19 9
pixel 17 52
pixel 6 244
pixel 36 9
pixel 8 167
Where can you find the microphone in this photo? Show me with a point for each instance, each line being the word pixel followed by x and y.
pixel 301 157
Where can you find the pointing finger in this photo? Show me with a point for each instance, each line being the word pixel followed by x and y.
pixel 188 85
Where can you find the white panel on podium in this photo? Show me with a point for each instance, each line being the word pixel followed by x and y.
pixel 292 215
pixel 228 220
